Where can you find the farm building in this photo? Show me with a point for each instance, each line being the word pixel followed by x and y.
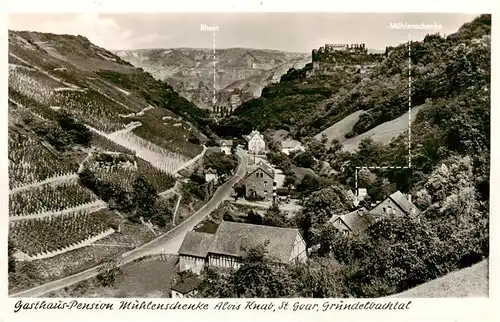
pixel 259 181
pixel 396 204
pixel 186 288
pixel 193 251
pixel 228 245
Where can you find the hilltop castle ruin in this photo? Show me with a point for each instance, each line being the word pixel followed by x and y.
pixel 352 58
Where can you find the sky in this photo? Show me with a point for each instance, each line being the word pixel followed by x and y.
pixel 295 32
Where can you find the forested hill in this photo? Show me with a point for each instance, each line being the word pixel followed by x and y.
pixel 306 104
pixel 448 179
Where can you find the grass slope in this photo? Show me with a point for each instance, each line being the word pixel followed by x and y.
pixel 384 132
pixel 338 130
pixel 468 282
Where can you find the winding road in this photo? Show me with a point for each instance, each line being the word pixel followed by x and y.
pixel 169 242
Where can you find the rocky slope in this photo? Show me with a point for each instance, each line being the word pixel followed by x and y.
pixel 240 73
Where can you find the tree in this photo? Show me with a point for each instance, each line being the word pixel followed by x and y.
pixel 318 208
pixel 109 272
pixel 290 180
pixel 320 278
pixel 11 259
pixel 308 184
pixel 305 160
pixel 144 198
pixel 276 218
pixel 258 277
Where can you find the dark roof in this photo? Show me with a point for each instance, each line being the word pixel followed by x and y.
pixel 186 173
pixel 226 142
pixel 187 286
pixel 356 221
pixel 403 202
pixel 399 200
pixel 196 244
pixel 233 238
pixel 212 150
pixel 264 167
pixel 251 135
pixel 210 170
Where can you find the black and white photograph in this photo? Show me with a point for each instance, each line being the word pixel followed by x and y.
pixel 249 155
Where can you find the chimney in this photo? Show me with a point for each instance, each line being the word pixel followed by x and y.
pixel 409 197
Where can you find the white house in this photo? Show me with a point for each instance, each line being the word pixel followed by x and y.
pixel 256 143
pixel 211 175
pixel 228 245
pixel 226 146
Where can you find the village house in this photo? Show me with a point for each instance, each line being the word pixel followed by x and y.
pixel 226 146
pixel 256 143
pixel 396 204
pixel 353 223
pixel 259 181
pixel 193 251
pixel 211 175
pixel 289 145
pixel 185 288
pixel 227 247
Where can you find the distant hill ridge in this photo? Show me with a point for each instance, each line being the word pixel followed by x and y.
pixel 190 70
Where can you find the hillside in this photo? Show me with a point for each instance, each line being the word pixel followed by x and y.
pixel 339 130
pixel 92 141
pixel 383 133
pixel 241 73
pixel 468 282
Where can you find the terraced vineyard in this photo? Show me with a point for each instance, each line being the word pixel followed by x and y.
pixel 32 83
pixel 123 174
pixel 160 158
pixel 49 198
pixel 52 233
pixel 92 108
pixel 30 161
pixel 104 144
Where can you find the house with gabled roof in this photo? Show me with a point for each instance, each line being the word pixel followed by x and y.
pixel 227 247
pixel 211 175
pixel 259 181
pixel 256 143
pixel 352 223
pixel 193 251
pixel 185 288
pixel 397 204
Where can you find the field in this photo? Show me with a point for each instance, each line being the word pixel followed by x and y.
pixel 53 233
pixel 151 277
pixel 30 161
pixel 49 198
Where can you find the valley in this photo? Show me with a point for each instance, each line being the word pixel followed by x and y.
pixel 241 73
pixel 367 174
